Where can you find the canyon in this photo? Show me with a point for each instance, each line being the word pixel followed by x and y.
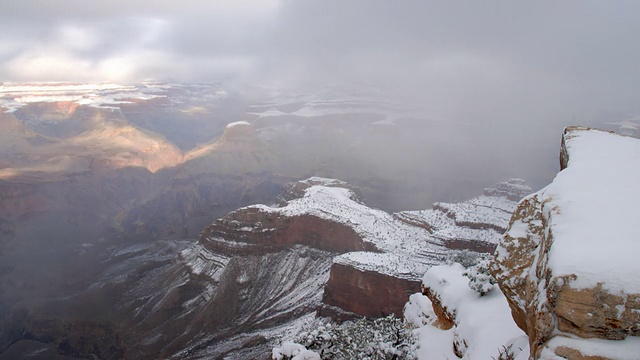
pixel 170 220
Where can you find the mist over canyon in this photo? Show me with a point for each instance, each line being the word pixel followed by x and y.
pixel 105 190
pixel 367 178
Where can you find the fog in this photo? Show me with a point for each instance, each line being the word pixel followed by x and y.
pixel 459 52
pixel 500 79
pixel 501 59
pixel 482 91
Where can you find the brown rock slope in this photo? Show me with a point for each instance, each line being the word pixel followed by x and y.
pixel 568 264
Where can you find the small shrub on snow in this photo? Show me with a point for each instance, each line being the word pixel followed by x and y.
pixel 465 258
pixel 383 339
pixel 480 279
pixel 506 353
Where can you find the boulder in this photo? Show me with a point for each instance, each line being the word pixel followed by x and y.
pixel 567 263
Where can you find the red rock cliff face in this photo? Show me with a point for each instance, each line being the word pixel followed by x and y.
pixel 257 226
pixel 367 293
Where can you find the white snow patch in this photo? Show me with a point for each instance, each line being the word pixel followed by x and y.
pixel 592 207
pixel 627 349
pixel 418 311
pixel 237 123
pixel 14 96
pixel 294 351
pixel 484 322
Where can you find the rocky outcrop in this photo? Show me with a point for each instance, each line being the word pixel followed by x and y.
pixel 296 189
pixel 266 226
pixel 476 224
pixel 237 151
pixel 381 254
pixel 257 226
pixel 564 263
pixel 454 320
pixel 445 317
pixel 374 275
pixel 367 293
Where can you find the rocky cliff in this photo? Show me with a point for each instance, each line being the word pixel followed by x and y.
pixel 254 275
pixel 377 254
pixel 365 292
pixel 328 214
pixel 476 224
pixel 568 262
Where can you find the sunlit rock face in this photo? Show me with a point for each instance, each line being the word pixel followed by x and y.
pixel 565 263
pixel 237 151
pixel 58 129
pixel 115 145
pixel 93 139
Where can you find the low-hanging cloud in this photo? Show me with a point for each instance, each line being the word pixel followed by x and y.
pixel 492 61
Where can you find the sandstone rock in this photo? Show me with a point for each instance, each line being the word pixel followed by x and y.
pixel 445 317
pixel 559 274
pixel 367 293
pixel 256 226
pixel 237 151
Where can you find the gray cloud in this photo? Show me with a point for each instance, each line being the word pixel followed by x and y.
pixel 495 62
pixel 588 43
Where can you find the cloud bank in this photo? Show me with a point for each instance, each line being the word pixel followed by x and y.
pixel 504 61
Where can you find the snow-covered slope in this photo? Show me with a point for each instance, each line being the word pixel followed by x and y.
pixel 476 224
pixel 325 199
pixel 482 325
pixel 596 197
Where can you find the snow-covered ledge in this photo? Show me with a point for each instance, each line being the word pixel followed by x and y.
pixel 568 263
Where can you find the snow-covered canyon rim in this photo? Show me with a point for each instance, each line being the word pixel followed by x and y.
pixel 593 211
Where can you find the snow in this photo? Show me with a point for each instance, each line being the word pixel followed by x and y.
pixel 13 96
pixel 316 180
pixel 627 349
pixel 237 123
pixel 399 265
pixel 408 250
pixel 483 218
pixel 338 205
pixel 418 311
pixel 406 247
pixel 483 322
pixel 201 261
pixel 478 213
pixel 294 351
pixel 592 207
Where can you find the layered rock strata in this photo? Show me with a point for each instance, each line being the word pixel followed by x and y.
pixel 568 264
pixel 476 224
pixel 379 258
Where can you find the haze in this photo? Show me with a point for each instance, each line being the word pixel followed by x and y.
pixel 511 73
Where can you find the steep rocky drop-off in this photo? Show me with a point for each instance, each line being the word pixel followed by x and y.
pixel 254 276
pixel 380 258
pixel 568 263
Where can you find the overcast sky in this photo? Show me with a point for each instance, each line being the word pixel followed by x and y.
pixel 559 54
